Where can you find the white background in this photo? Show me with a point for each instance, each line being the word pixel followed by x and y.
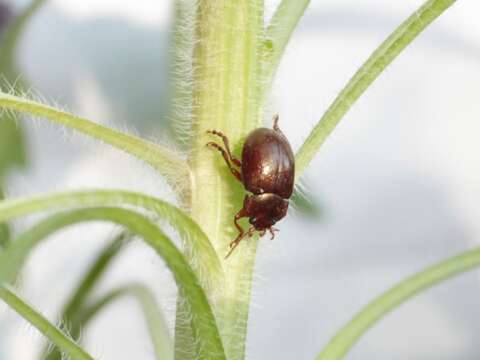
pixel 399 179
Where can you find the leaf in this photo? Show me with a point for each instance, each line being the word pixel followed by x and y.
pixel 207 338
pixel 277 35
pixel 366 75
pixel 165 161
pixel 157 326
pixel 343 341
pixel 197 246
pixel 54 334
pixel 83 290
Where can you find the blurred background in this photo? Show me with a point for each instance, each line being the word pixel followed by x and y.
pixel 398 182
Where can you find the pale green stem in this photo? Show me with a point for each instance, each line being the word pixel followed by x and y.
pixel 365 76
pixel 167 162
pixel 83 290
pixel 226 96
pixel 197 245
pixel 278 34
pixel 50 331
pixel 338 347
pixel 154 318
pixel 207 338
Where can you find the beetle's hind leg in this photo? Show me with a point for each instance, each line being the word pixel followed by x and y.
pixel 234 171
pixel 226 143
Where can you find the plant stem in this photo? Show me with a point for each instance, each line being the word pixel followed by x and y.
pixel 226 91
pixel 350 333
pixel 365 76
pixel 54 334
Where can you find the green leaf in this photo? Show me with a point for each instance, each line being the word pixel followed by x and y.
pixel 278 34
pixel 365 76
pixel 54 334
pixel 83 290
pixel 338 347
pixel 207 338
pixel 197 246
pixel 167 162
pixel 157 326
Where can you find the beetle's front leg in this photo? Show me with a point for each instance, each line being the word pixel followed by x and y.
pixel 234 171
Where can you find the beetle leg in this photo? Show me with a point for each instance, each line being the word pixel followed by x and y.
pixel 262 232
pixel 234 171
pixel 272 230
pixel 227 146
pixel 241 214
pixel 239 238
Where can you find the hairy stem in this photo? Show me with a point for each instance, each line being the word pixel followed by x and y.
pixel 226 89
pixel 365 76
pixel 338 347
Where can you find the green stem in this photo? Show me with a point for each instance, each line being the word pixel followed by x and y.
pixel 168 163
pixel 350 333
pixel 207 338
pixel 365 76
pixel 54 334
pixel 157 326
pixel 84 289
pixel 278 34
pixel 227 58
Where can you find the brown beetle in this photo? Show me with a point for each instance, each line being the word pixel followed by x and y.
pixel 267 170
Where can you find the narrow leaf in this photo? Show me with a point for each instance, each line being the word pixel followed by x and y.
pixel 157 326
pixel 50 331
pixel 207 338
pixel 165 161
pixel 83 290
pixel 278 33
pixel 197 245
pixel 364 77
pixel 338 347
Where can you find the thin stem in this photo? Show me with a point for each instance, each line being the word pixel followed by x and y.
pixel 207 338
pixel 54 334
pixel 365 76
pixel 168 163
pixel 278 34
pixel 83 290
pixel 157 326
pixel 350 333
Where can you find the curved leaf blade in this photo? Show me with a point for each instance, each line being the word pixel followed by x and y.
pixel 208 341
pixel 167 162
pixel 197 245
pixel 343 341
pixel 366 75
pixel 43 325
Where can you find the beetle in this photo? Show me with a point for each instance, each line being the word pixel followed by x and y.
pixel 267 170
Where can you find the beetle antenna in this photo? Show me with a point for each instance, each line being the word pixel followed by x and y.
pixel 239 238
